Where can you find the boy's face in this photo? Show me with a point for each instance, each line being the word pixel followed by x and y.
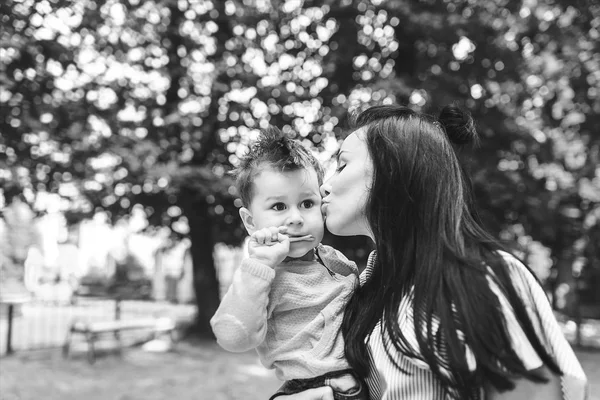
pixel 290 199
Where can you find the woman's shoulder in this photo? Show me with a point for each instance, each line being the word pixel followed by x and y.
pixel 511 259
pixel 514 264
pixel 521 277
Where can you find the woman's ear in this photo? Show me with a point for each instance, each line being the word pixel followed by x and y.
pixel 247 219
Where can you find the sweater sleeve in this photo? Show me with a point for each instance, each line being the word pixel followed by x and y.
pixel 240 323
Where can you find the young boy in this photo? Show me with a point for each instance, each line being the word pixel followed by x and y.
pixel 287 299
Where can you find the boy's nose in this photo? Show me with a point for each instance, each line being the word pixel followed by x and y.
pixel 295 217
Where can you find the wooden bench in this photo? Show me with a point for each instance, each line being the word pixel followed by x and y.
pixel 95 330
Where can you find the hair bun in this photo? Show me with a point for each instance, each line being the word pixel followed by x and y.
pixel 459 125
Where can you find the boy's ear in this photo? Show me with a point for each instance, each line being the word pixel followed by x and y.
pixel 247 219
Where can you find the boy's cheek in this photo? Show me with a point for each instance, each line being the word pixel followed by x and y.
pixel 318 216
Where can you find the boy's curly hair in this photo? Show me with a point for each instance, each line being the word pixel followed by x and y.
pixel 274 150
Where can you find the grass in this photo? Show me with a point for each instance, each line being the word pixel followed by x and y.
pixel 197 372
pixel 200 371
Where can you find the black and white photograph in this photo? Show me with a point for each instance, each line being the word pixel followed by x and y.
pixel 300 199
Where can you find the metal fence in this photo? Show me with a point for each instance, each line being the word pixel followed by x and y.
pixel 39 325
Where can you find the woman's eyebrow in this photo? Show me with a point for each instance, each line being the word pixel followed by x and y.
pixel 336 155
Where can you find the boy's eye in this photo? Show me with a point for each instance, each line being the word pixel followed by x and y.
pixel 308 203
pixel 278 207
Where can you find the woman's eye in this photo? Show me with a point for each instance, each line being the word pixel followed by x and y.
pixel 278 207
pixel 340 167
pixel 308 203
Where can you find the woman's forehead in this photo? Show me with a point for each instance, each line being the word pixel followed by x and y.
pixel 354 140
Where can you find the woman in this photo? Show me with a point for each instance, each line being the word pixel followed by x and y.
pixel 442 311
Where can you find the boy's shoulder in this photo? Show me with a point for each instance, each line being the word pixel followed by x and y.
pixel 336 261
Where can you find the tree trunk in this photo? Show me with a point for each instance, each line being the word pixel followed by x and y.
pixel 191 199
pixel 206 284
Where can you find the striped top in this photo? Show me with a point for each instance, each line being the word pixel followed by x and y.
pixel 387 382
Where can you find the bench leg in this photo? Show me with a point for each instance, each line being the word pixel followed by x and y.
pixel 117 336
pixel 67 345
pixel 119 346
pixel 91 350
pixel 173 336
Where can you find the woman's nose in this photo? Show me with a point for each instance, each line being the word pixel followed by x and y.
pixel 325 189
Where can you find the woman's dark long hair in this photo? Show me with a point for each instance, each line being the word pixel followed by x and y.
pixel 428 237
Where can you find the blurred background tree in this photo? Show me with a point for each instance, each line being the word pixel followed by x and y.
pixel 17 235
pixel 113 103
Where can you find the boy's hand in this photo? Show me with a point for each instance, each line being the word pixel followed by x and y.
pixel 269 245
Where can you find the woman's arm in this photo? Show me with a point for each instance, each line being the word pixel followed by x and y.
pixel 528 390
pixel 573 382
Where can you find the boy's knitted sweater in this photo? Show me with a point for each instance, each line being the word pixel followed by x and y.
pixel 291 314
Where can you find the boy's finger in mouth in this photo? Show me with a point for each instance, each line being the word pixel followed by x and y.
pixel 301 238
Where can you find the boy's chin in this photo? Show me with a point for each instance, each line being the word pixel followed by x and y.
pixel 305 253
